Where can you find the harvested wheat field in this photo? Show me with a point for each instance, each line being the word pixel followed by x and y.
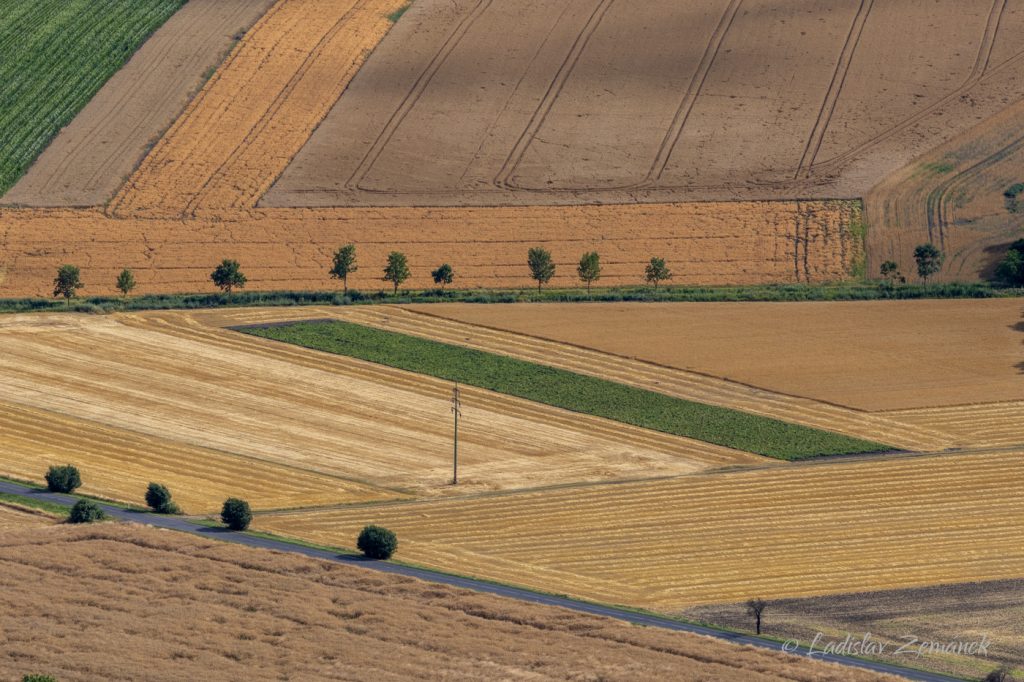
pixel 954 197
pixel 965 611
pixel 737 243
pixel 793 531
pixel 142 604
pixel 90 159
pixel 260 107
pixel 118 463
pixel 868 355
pixel 481 102
pixel 197 388
pixel 14 519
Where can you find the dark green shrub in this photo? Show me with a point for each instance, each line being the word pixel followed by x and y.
pixel 86 511
pixel 63 479
pixel 38 678
pixel 236 514
pixel 158 497
pixel 377 542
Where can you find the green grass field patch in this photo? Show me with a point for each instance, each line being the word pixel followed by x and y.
pixel 54 56
pixel 568 390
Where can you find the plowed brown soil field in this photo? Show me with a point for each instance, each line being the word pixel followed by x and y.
pixel 869 355
pixel 138 603
pixel 609 101
pixel 953 197
pixel 189 388
pixel 728 243
pixel 91 158
pixel 787 531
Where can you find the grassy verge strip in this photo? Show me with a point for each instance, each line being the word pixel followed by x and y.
pixel 571 391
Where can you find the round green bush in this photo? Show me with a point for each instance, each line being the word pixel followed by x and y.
pixel 236 514
pixel 63 479
pixel 158 497
pixel 86 511
pixel 377 542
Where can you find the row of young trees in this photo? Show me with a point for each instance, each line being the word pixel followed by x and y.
pixel 375 542
pixel 228 275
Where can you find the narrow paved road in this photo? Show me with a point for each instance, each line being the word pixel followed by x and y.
pixel 186 526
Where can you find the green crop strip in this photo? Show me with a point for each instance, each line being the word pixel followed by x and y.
pixel 568 390
pixel 54 56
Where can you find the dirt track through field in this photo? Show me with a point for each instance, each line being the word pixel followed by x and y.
pixel 172 377
pixel 118 464
pixel 674 382
pixel 722 537
pixel 867 355
pixel 91 158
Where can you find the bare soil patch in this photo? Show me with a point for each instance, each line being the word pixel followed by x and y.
pixel 964 612
pixel 871 355
pixel 142 604
pixel 474 102
pixel 90 159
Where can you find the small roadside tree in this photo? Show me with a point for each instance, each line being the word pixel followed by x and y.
pixel 86 511
pixel 542 268
pixel 126 282
pixel 929 260
pixel 67 282
pixel 1010 270
pixel 1000 674
pixel 344 264
pixel 443 275
pixel 228 276
pixel 589 269
pixel 63 479
pixel 397 269
pixel 236 514
pixel 755 607
pixel 376 542
pixel 890 271
pixel 657 272
pixel 158 497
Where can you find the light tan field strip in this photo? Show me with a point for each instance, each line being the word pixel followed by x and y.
pixel 992 424
pixel 781 532
pixel 168 376
pixel 256 113
pixel 674 382
pixel 118 464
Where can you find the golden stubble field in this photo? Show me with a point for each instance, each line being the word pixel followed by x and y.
pixel 791 531
pixel 139 603
pixel 208 411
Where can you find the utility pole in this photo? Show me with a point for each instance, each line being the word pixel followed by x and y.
pixel 457 411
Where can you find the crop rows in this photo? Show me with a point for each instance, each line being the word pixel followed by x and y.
pixel 54 56
pixel 783 532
